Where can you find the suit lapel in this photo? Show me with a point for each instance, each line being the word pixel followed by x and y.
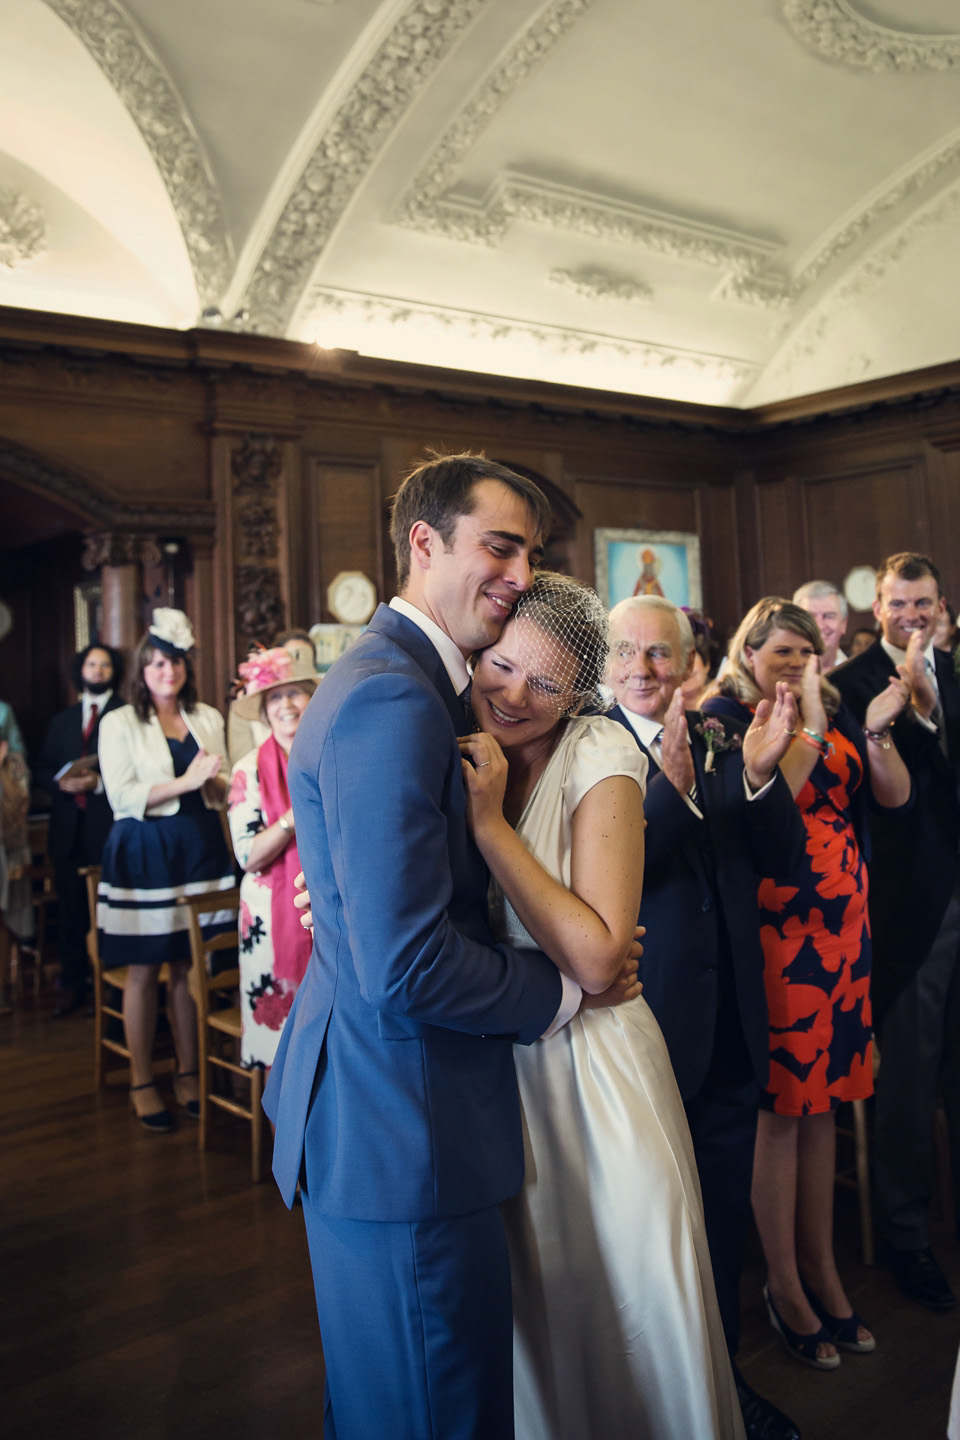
pixel 420 649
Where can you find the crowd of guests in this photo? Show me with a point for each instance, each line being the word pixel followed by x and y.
pixel 785 820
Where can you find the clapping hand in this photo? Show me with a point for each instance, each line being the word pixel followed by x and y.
pixel 768 739
pixel 675 756
pixel 202 767
pixel 626 986
pixel 891 702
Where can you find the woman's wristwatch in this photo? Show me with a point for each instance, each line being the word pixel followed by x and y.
pixel 284 824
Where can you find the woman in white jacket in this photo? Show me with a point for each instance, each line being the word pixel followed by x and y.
pixel 165 773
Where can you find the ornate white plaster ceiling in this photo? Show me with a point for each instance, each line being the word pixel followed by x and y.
pixel 730 203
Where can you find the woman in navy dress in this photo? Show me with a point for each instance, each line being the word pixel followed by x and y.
pixel 163 762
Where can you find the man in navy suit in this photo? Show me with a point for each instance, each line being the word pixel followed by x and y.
pixel 915 918
pixel 393 1091
pixel 80 816
pixel 713 827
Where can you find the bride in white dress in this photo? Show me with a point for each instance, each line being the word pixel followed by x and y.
pixel 617 1331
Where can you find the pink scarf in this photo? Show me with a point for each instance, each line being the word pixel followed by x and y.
pixel 291 943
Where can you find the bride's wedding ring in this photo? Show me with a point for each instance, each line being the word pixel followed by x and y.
pixel 480 764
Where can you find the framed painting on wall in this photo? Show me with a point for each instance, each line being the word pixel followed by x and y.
pixel 648 562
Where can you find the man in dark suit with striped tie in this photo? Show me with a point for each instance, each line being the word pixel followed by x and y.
pixel 915 917
pixel 718 815
pixel 80 816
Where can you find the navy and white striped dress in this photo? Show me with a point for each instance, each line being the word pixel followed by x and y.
pixel 148 864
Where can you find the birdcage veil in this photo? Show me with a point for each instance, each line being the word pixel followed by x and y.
pixel 563 640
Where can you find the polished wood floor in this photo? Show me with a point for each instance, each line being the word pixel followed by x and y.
pixel 151 1293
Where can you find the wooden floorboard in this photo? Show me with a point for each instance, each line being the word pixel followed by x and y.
pixel 148 1292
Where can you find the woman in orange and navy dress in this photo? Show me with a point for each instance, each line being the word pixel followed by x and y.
pixel 815 931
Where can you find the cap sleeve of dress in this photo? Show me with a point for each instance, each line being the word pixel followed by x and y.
pixel 602 748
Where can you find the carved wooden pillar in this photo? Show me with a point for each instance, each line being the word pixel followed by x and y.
pixel 251 483
pixel 120 558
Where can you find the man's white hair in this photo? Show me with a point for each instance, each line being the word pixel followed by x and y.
pixel 658 602
pixel 820 590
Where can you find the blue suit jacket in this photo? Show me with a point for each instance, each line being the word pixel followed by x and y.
pixel 699 903
pixel 394 1079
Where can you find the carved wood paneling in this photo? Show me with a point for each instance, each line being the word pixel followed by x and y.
pixel 256 466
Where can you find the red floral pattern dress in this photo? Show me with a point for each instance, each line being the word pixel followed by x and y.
pixel 815 933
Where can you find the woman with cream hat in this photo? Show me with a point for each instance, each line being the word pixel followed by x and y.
pixel 164 771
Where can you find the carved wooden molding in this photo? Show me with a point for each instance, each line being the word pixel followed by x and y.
pixel 256 465
pixel 111 548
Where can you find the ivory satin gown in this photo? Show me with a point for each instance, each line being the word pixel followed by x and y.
pixel 616 1326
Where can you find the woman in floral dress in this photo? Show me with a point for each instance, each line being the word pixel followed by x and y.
pixel 815 933
pixel 274 950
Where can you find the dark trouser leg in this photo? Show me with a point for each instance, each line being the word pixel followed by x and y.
pixel 723 1124
pixel 73 921
pixel 416 1325
pixel 911 1040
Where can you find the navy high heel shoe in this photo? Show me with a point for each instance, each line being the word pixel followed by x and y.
pixel 842 1329
pixel 802 1347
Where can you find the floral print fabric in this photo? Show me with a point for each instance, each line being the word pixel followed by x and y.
pixel 815 933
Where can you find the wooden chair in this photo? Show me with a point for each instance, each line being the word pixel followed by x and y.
pixel 104 1005
pixel 218 1023
pixel 37 953
pixel 856 1176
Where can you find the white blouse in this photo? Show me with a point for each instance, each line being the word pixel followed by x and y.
pixel 134 756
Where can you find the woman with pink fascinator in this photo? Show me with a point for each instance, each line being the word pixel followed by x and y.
pixel 274 949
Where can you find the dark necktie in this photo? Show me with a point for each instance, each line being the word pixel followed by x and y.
pixel 85 738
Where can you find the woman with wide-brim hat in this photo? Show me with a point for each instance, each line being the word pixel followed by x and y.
pixel 274 949
pixel 162 760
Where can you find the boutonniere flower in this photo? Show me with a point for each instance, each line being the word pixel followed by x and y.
pixel 716 740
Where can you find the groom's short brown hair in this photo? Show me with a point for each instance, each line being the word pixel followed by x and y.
pixel 440 489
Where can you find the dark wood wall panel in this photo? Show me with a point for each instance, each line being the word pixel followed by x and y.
pixel 347 527
pixel 131 434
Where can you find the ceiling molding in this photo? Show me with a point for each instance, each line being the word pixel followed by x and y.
pixel 864 278
pixel 553 340
pixel 22 228
pixel 596 284
pixel 362 125
pixel 142 83
pixel 515 197
pixel 835 30
pixel 424 198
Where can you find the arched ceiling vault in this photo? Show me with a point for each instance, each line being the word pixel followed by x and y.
pixel 729 203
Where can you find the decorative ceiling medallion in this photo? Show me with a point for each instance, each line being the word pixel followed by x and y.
pixel 402 65
pixel 465 325
pixel 595 284
pixel 22 229
pixel 139 78
pixel 835 30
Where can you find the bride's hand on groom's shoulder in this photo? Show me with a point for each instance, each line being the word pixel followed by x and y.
pixel 484 768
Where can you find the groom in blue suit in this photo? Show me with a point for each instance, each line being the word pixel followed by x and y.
pixel 393 1092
